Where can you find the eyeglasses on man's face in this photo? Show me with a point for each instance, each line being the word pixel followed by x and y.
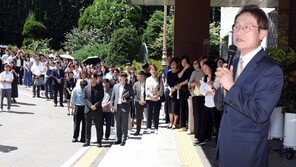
pixel 246 27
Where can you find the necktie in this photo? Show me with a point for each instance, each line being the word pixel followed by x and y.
pixel 239 68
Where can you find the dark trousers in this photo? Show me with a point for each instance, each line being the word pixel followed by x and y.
pixel 206 125
pixel 166 105
pixel 121 123
pixel 107 117
pixel 183 108
pixel 36 90
pixel 58 89
pixel 27 78
pixel 20 77
pixel 97 117
pixel 79 118
pixel 48 88
pixel 198 106
pixel 139 115
pixel 153 108
pixel 6 93
pixel 211 118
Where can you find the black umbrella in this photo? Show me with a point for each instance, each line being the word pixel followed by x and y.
pixel 92 60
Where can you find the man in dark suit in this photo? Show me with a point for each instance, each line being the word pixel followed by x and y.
pixel 140 103
pixel 121 98
pixel 58 83
pixel 252 92
pixel 94 94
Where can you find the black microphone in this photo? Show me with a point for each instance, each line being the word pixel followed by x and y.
pixel 231 52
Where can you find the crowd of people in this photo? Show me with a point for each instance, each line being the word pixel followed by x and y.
pixel 100 94
pixel 121 96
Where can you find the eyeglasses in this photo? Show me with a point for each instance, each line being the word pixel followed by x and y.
pixel 246 27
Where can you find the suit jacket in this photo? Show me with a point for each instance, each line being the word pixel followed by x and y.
pixel 248 105
pixel 116 96
pixel 137 91
pixel 58 75
pixel 98 97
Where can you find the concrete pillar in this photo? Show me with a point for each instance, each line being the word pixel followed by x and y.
pixel 191 29
pixel 283 26
pixel 292 25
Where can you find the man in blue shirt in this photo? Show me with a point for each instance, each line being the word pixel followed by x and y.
pixel 77 98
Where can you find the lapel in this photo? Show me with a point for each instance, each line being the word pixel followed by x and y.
pixel 125 89
pixel 249 68
pixel 89 92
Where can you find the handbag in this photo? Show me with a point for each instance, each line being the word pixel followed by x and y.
pixel 162 97
pixel 38 81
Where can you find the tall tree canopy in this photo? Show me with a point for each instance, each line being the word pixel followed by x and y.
pixel 110 15
pixel 59 16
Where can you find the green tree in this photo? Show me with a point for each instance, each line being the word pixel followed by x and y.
pixel 154 27
pixel 153 35
pixel 32 28
pixel 38 45
pixel 101 50
pixel 77 39
pixel 109 15
pixel 214 40
pixel 124 46
pixel 59 16
pixel 156 47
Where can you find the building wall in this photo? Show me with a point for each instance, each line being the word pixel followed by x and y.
pixel 191 28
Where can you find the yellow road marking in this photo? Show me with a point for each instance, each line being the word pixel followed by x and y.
pixel 187 152
pixel 89 157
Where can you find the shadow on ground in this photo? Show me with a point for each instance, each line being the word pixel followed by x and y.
pixel 26 104
pixel 7 149
pixel 17 112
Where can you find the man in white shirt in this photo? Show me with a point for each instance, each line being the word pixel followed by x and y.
pixel 37 71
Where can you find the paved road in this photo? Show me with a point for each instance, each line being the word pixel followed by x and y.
pixel 35 133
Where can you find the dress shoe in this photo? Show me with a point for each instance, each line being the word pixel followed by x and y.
pixel 82 140
pixel 99 144
pixel 117 142
pixel 55 105
pixel 199 143
pixel 85 144
pixel 136 134
pixel 61 105
pixel 122 143
pixel 74 140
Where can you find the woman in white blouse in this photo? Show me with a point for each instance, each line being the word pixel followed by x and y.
pixel 211 116
pixel 153 90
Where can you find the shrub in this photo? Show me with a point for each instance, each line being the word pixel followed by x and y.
pixel 100 50
pixel 77 39
pixel 33 28
pixel 40 45
pixel 110 15
pixel 124 46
